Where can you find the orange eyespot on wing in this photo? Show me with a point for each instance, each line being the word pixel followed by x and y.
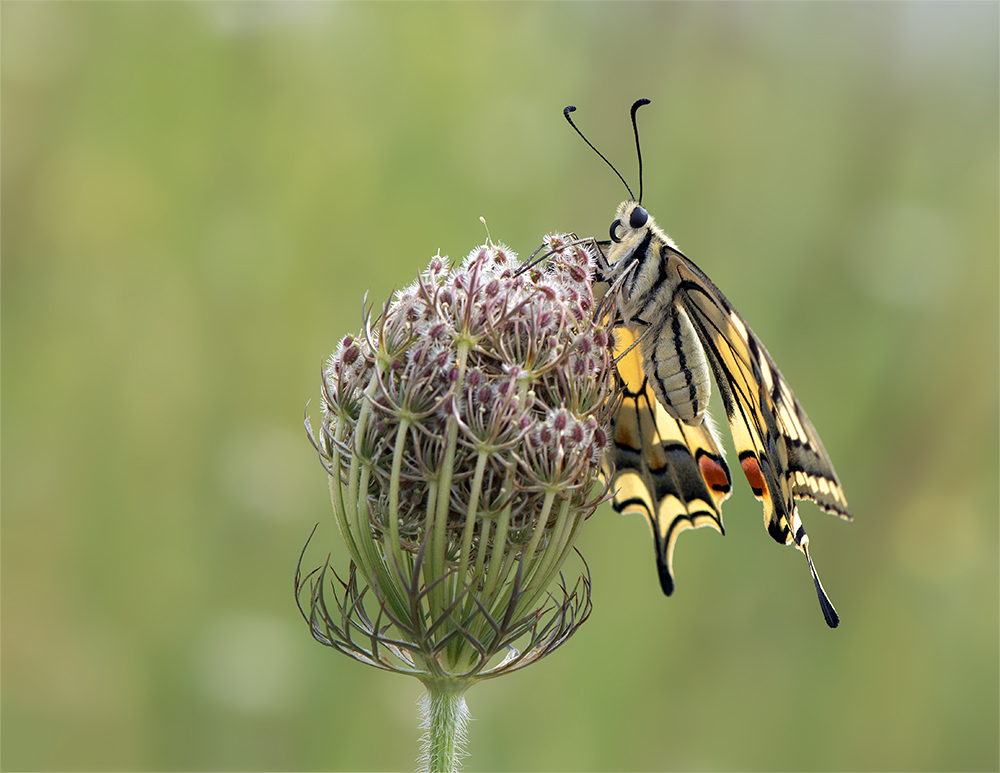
pixel 714 472
pixel 751 469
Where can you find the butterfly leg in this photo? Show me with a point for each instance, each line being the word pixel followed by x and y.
pixel 620 323
pixel 533 261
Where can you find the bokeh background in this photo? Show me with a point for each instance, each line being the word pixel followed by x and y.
pixel 195 198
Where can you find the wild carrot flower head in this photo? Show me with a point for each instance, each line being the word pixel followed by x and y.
pixel 463 431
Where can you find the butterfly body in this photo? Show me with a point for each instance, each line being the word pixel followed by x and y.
pixel 684 328
pixel 673 328
pixel 672 355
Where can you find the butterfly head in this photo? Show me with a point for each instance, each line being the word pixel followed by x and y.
pixel 630 222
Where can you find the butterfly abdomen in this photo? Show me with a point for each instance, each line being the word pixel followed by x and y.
pixel 673 358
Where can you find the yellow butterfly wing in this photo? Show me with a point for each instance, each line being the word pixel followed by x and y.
pixel 779 450
pixel 672 474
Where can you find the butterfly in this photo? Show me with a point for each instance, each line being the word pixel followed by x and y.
pixel 676 333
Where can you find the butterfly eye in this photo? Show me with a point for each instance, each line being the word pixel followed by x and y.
pixel 614 229
pixel 638 217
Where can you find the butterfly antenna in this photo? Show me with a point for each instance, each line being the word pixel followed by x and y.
pixel 572 108
pixel 638 152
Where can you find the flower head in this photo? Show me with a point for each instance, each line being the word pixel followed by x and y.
pixel 463 431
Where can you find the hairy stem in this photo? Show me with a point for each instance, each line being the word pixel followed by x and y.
pixel 444 717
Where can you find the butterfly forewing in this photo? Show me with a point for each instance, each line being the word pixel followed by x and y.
pixel 770 429
pixel 673 474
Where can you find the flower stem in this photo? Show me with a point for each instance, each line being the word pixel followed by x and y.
pixel 444 717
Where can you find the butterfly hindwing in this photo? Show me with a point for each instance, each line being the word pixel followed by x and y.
pixel 673 474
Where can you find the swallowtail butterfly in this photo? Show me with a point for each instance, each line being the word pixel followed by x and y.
pixel 674 328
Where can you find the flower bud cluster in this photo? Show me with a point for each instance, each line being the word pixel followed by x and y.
pixel 513 365
pixel 463 430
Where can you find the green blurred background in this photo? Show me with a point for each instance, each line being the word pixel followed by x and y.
pixel 195 199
